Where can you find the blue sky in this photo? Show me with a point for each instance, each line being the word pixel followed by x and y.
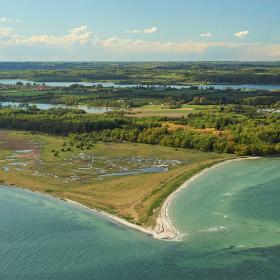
pixel 138 30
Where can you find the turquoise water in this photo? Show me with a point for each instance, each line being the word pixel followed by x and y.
pixel 110 84
pixel 229 217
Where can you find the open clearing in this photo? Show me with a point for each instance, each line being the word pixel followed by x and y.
pixel 160 110
pixel 157 110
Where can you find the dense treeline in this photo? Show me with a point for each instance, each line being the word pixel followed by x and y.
pixel 146 72
pixel 247 132
pixel 57 121
pixel 245 137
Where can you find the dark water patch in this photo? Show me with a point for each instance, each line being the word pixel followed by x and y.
pixel 260 201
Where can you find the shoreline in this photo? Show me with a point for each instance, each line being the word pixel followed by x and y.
pixel 164 229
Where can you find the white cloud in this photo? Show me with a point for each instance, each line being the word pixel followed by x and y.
pixel 3 19
pixel 79 35
pixel 5 32
pixel 150 30
pixel 9 20
pixel 242 34
pixel 207 34
pixel 122 47
pixel 134 31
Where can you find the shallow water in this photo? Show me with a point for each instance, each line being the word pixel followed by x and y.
pixel 229 219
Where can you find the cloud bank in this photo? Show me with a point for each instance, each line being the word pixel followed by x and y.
pixel 76 36
pixel 81 43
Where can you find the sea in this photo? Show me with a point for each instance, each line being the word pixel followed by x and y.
pixel 228 218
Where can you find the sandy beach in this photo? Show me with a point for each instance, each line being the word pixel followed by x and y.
pixel 114 218
pixel 164 229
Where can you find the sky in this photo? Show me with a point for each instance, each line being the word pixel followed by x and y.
pixel 139 30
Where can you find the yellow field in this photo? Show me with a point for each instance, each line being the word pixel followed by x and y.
pixel 163 111
pixel 159 110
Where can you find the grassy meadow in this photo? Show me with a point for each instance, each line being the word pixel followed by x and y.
pixel 125 179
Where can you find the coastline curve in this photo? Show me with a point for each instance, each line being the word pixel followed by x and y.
pixel 164 229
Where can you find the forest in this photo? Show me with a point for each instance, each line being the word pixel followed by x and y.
pixel 233 129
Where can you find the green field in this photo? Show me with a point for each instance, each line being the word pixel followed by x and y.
pixel 108 177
